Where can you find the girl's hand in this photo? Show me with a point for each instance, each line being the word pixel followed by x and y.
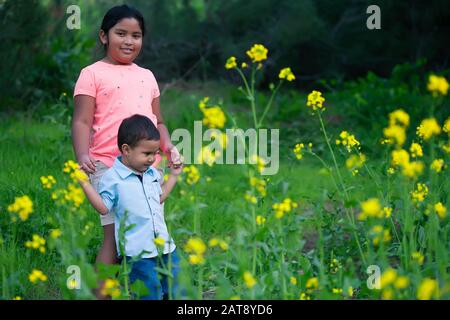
pixel 176 171
pixel 174 157
pixel 86 163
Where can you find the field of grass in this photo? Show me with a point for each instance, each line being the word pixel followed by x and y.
pixel 312 231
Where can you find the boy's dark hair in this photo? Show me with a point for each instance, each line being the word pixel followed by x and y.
pixel 134 129
pixel 117 13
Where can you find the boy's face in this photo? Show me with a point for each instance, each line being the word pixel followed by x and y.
pixel 142 156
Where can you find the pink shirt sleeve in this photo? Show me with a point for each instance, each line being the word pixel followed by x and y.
pixel 85 84
pixel 154 85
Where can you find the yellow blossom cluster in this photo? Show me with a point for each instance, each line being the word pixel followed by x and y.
pixel 427 289
pixel 23 206
pixel 259 185
pixel 437 165
pixel 371 208
pixel 192 174
pixel 214 242
pixel 298 150
pixel 355 161
pixel 396 131
pixel 379 235
pixel 416 150
pixel 159 242
pixel 37 243
pixel 231 63
pixel 315 100
pixel 286 73
pixel 197 248
pixel 257 53
pixel 111 287
pixel 437 85
pixel 411 169
pixel 260 220
pixel 419 194
pixel 389 280
pixel 213 116
pixel 47 182
pixel 348 140
pixel 283 207
pixel 418 257
pixel 428 128
pixel 37 275
pixel 335 265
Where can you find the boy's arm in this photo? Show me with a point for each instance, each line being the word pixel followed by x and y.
pixel 94 198
pixel 168 186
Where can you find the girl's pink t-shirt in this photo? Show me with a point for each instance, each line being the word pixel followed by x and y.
pixel 120 91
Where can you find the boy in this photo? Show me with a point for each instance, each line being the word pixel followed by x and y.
pixel 133 187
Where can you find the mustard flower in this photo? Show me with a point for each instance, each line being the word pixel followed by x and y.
pixel 257 53
pixel 287 74
pixel 437 85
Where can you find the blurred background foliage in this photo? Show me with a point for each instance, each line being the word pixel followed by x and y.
pixel 325 42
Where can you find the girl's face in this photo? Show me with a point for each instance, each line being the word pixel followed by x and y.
pixel 124 41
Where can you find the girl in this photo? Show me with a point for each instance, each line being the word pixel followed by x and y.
pixel 107 92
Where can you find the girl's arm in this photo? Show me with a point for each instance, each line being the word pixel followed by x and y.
pixel 93 197
pixel 167 147
pixel 83 115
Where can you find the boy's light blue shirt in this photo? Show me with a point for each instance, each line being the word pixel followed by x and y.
pixel 122 190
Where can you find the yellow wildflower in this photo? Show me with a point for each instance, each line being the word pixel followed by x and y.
pixel 416 150
pixel 111 287
pixel 298 150
pixel 336 290
pixel 38 243
pixel 312 283
pixel 399 157
pixel 440 209
pixel 437 85
pixel 348 140
pixel 380 235
pixel 231 63
pixel 355 161
pixel 446 127
pixel 428 128
pixel 437 165
pixel 315 100
pixel 287 74
pixel 304 296
pixel 250 198
pixel 284 207
pixel 55 233
pixel 387 294
pixel 398 117
pixel 395 134
pixel 36 275
pixel 249 280
pixel 159 242
pixel 260 220
pixel 193 175
pixel 47 182
pixel 401 282
pixel 387 277
pixel 293 280
pixel 23 206
pixel 244 65
pixel 427 289
pixel 413 169
pixel 446 147
pixel 417 256
pixel 370 208
pixel 419 194
pixel 214 117
pixel 257 53
pixel 259 184
pixel 387 212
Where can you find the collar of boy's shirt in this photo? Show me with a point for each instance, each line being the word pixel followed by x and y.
pixel 124 171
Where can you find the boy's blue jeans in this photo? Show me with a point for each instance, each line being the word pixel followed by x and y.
pixel 144 270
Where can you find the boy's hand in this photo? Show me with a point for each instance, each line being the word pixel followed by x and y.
pixel 176 171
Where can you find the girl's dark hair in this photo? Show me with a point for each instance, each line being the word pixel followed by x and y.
pixel 117 13
pixel 134 129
